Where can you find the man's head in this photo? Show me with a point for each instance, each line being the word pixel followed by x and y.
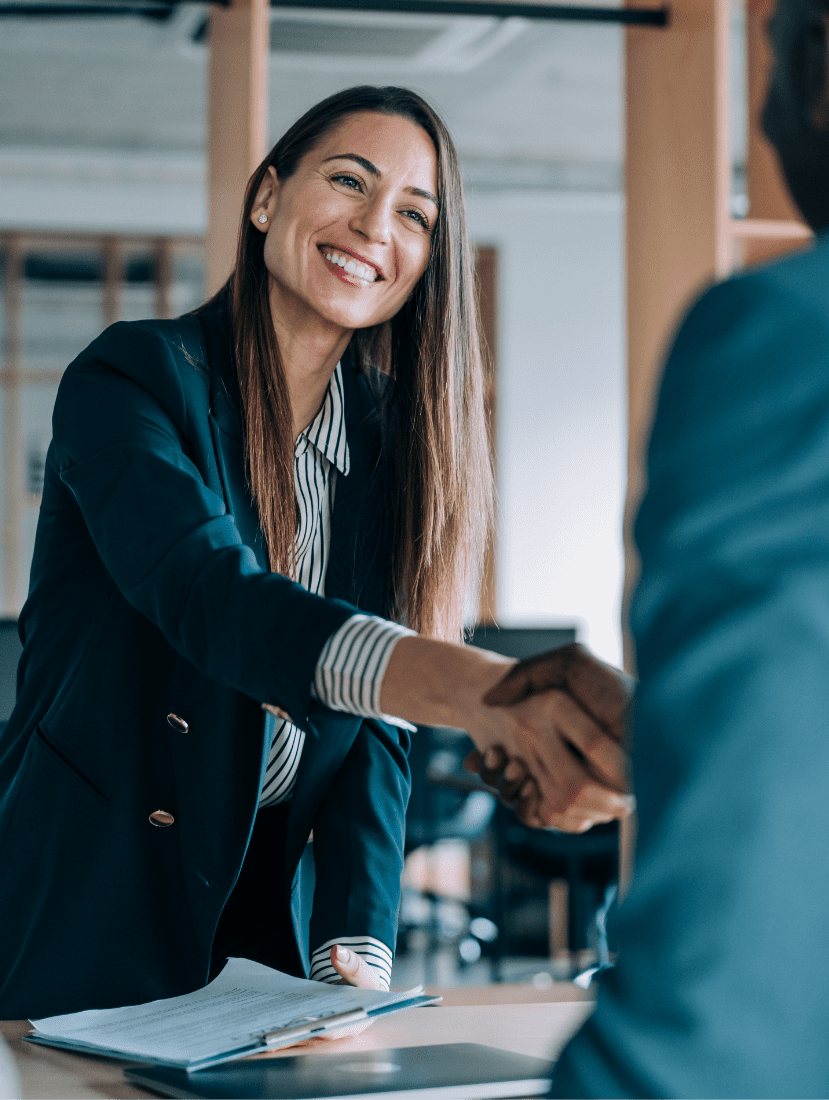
pixel 796 116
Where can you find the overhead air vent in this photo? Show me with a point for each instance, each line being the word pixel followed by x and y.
pixel 377 41
pixel 298 36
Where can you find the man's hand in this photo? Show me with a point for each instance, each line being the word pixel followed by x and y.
pixel 579 770
pixel 602 691
pixel 576 681
pixel 512 783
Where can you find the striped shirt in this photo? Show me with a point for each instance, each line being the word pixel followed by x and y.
pixel 352 663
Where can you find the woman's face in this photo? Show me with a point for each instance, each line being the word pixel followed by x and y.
pixel 349 233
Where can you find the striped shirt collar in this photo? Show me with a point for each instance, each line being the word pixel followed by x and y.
pixel 326 432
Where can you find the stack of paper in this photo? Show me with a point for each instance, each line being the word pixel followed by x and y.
pixel 247 1009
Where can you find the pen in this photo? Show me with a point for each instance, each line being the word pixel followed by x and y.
pixel 312 1024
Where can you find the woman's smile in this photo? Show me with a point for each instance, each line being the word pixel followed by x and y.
pixel 350 268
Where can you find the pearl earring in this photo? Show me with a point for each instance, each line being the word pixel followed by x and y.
pixel 263 218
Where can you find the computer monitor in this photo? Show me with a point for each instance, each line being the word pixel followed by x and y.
pixel 10 650
pixel 521 641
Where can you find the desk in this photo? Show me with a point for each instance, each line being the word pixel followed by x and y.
pixel 540 1028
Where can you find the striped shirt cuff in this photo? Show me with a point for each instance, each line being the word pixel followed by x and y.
pixel 371 951
pixel 352 664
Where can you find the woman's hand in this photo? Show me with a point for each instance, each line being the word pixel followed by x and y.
pixel 354 971
pixel 577 764
pixel 519 792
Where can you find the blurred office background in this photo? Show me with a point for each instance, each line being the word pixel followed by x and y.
pixel 103 216
pixel 102 177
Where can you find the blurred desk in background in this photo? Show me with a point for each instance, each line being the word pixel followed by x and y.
pixel 511 993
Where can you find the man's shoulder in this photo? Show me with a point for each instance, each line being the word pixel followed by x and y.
pixel 798 281
pixel 806 267
pixel 746 377
pixel 758 320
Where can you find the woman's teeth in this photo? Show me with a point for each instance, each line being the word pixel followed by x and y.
pixel 353 267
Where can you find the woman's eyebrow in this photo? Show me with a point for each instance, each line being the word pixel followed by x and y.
pixel 423 194
pixel 375 171
pixel 369 167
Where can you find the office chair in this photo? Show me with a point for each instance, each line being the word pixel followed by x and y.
pixel 588 862
pixel 448 802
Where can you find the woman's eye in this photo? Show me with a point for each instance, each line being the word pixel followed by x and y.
pixel 347 180
pixel 417 216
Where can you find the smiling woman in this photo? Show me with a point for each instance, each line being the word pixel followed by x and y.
pixel 228 495
pixel 364 246
pixel 240 509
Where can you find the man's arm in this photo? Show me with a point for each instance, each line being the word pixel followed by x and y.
pixel 720 985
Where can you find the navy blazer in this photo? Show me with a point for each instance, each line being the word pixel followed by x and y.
pixel 722 983
pixel 150 594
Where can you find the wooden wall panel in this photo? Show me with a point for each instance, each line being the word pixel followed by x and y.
pixel 678 225
pixel 678 186
pixel 237 122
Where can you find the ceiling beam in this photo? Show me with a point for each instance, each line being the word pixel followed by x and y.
pixel 500 9
pixel 60 11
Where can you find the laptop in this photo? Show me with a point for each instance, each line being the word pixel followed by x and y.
pixel 455 1071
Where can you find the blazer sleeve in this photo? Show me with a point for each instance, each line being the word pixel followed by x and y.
pixel 358 839
pixel 720 985
pixel 124 446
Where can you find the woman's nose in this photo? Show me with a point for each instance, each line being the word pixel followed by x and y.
pixel 373 221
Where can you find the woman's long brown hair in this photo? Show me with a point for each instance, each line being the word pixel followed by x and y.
pixel 441 488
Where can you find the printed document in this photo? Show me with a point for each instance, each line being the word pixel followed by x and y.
pixel 248 1008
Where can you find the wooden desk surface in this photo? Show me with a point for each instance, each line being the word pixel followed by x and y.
pixel 537 1028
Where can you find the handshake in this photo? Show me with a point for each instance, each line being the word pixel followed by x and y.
pixel 549 731
pixel 571 709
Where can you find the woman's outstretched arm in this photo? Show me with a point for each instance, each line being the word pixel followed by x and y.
pixel 559 717
pixel 576 761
